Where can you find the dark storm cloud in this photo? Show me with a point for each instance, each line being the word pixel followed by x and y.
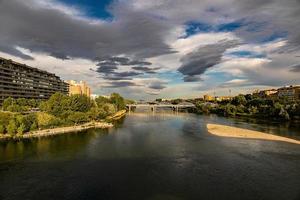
pixel 116 78
pixel 121 61
pixel 269 20
pixel 157 85
pixel 106 69
pixel 263 20
pixel 197 62
pixel 14 51
pixel 192 79
pixel 109 73
pixel 109 65
pixel 295 68
pixel 146 69
pixel 39 29
pixel 118 84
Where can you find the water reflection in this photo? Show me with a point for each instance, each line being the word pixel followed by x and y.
pixel 146 156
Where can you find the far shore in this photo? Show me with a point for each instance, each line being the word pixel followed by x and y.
pixel 233 132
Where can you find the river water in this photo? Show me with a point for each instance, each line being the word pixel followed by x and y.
pixel 153 156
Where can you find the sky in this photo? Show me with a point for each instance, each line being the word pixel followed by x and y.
pixel 160 48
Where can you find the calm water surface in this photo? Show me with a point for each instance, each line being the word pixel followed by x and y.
pixel 161 156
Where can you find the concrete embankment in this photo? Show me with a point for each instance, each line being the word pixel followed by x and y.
pixel 117 115
pixel 61 130
pixel 233 132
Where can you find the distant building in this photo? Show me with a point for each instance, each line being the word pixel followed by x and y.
pixel 269 93
pixel 291 93
pixel 21 81
pixel 94 96
pixel 80 88
pixel 208 98
pixel 223 98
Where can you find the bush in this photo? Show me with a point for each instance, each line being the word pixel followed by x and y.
pixel 21 129
pixel 230 110
pixel 7 102
pixel 45 120
pixel 11 127
pixel 33 126
pixel 2 129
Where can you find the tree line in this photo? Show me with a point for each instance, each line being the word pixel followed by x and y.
pixel 19 116
pixel 251 106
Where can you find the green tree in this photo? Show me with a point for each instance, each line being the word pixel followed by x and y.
pixel 230 110
pixel 118 101
pixel 80 103
pixel 22 102
pixel 102 100
pixel 78 117
pixel 45 120
pixel 33 126
pixel 239 100
pixel 21 129
pixel 56 105
pixel 11 127
pixel 2 129
pixel 7 102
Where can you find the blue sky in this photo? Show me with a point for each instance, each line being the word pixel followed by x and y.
pixel 155 49
pixel 92 8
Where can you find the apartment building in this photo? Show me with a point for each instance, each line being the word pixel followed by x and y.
pixel 80 88
pixel 291 93
pixel 21 81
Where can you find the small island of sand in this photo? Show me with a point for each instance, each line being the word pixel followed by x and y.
pixel 233 132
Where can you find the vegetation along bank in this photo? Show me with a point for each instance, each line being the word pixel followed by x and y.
pixel 23 118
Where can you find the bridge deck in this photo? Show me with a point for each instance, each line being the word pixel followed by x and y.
pixel 160 105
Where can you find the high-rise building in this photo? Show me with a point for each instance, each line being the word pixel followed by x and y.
pixel 21 81
pixel 79 88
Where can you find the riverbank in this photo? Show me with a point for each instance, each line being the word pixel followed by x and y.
pixel 57 131
pixel 233 132
pixel 118 115
pixel 69 129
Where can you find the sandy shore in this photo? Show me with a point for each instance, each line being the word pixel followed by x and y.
pixel 228 131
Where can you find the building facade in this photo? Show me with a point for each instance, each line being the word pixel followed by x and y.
pixel 80 88
pixel 223 98
pixel 291 93
pixel 208 98
pixel 21 81
pixel 269 93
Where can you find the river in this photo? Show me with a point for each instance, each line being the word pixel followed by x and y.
pixel 153 156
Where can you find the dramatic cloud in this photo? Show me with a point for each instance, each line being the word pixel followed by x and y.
pixel 147 48
pixel 146 69
pixel 45 29
pixel 192 79
pixel 117 84
pixel 295 68
pixel 157 85
pixel 109 65
pixel 197 62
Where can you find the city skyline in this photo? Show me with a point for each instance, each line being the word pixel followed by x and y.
pixel 157 49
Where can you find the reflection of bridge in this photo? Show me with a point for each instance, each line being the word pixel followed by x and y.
pixel 153 107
